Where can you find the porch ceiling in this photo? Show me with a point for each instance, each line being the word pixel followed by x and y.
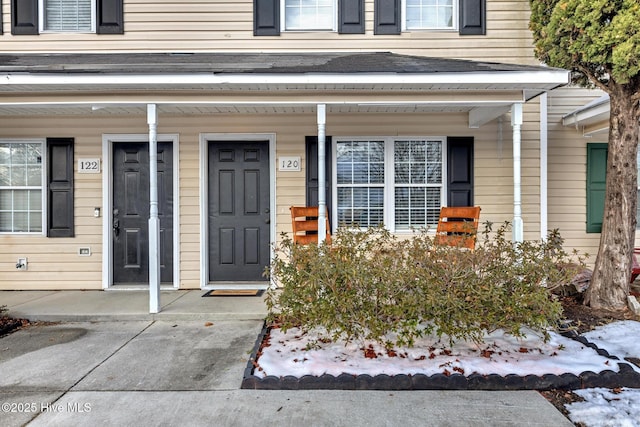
pixel 284 83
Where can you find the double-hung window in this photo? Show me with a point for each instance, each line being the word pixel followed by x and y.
pixel 430 14
pixel 68 16
pixel 418 182
pixel 309 15
pixel 393 181
pixel 21 183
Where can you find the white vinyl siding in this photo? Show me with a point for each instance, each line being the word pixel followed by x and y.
pixel 227 26
pixel 21 178
pixel 393 181
pixel 430 14
pixel 67 16
pixel 310 15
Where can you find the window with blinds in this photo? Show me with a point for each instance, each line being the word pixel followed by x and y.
pixel 21 186
pixel 68 15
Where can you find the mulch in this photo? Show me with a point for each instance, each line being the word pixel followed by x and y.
pixel 9 324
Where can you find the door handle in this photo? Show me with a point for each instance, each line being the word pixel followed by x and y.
pixel 116 223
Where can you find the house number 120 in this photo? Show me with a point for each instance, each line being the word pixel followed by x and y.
pixel 289 164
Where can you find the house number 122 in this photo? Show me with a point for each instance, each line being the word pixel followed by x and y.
pixel 88 165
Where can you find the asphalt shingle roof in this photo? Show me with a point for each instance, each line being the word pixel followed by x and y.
pixel 248 63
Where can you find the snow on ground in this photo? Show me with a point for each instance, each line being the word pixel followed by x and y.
pixel 611 408
pixel 297 354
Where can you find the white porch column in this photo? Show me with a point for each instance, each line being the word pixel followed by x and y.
pixel 516 124
pixel 154 221
pixel 322 191
pixel 543 166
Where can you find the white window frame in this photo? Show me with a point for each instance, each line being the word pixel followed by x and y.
pixel 283 21
pixel 41 13
pixel 389 184
pixel 43 186
pixel 454 18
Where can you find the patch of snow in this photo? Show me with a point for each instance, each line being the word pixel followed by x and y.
pixel 606 408
pixel 298 354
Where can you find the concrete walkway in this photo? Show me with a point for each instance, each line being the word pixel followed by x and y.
pixel 110 363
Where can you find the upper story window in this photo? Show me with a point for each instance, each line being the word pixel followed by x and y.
pixel 32 17
pixel 430 14
pixel 21 182
pixel 310 15
pixel 390 17
pixel 67 16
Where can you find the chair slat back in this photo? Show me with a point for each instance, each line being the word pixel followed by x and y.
pixel 304 221
pixel 458 226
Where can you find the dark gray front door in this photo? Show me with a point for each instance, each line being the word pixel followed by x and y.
pixel 131 212
pixel 238 210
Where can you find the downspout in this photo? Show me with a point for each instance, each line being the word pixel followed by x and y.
pixel 516 124
pixel 154 221
pixel 322 191
pixel 544 141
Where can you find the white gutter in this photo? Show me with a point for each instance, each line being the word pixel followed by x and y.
pixel 595 111
pixel 500 78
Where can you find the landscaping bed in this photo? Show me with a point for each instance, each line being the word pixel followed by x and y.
pixel 9 324
pixel 555 387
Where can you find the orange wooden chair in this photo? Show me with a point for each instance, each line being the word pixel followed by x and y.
pixel 458 226
pixel 304 220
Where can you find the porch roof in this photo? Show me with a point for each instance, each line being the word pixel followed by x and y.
pixel 205 83
pixel 592 118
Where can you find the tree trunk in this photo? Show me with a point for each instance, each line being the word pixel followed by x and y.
pixel 612 271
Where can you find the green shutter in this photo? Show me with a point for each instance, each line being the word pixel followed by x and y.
pixel 596 184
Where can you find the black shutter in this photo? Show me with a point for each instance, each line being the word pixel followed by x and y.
pixel 387 17
pixel 460 171
pixel 473 17
pixel 351 16
pixel 24 17
pixel 266 17
pixel 109 17
pixel 60 221
pixel 311 144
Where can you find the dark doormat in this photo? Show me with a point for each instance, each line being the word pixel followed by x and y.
pixel 234 293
